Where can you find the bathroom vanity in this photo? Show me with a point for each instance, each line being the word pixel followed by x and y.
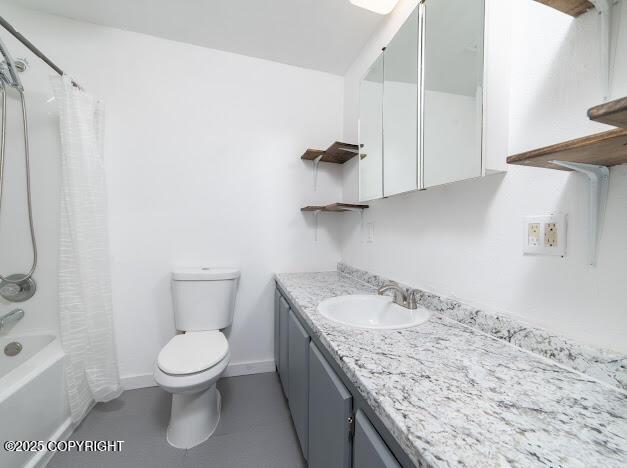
pixel 439 394
pixel 334 424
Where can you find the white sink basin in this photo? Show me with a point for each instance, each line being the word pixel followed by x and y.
pixel 370 311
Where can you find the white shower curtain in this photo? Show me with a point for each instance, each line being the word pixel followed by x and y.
pixel 85 309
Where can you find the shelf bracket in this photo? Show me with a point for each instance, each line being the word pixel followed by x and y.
pixel 316 214
pixel 598 184
pixel 604 11
pixel 362 218
pixel 316 163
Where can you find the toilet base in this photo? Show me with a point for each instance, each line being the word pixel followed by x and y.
pixel 194 417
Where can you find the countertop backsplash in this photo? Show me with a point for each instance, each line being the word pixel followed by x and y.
pixel 606 366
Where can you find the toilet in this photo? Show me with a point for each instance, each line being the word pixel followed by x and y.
pixel 191 363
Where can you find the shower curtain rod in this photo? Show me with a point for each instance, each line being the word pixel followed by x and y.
pixel 6 25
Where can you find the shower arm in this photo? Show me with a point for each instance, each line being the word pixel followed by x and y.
pixel 30 46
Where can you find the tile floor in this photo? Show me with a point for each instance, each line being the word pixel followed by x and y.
pixel 255 430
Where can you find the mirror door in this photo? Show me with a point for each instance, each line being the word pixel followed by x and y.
pixel 400 110
pixel 371 133
pixel 452 110
pixel 421 102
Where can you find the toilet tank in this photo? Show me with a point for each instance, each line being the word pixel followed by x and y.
pixel 204 298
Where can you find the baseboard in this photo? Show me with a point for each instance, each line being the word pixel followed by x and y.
pixel 246 368
pixel 133 382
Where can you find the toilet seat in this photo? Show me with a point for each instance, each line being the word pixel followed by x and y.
pixel 193 352
pixel 191 383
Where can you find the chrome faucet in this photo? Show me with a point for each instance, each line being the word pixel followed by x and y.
pixel 11 317
pixel 402 297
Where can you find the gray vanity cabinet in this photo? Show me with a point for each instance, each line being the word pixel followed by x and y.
pixel 330 415
pixel 284 311
pixel 299 380
pixel 277 333
pixel 369 450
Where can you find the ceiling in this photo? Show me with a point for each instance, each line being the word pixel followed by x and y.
pixel 324 35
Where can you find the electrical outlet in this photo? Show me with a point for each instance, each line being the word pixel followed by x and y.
pixel 550 235
pixel 533 234
pixel 545 235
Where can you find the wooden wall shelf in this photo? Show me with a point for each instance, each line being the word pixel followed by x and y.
pixel 611 113
pixel 570 7
pixel 337 153
pixel 602 149
pixel 335 207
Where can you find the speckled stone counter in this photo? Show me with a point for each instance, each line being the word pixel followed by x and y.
pixel 452 395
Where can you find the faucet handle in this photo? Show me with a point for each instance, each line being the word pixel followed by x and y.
pixel 10 290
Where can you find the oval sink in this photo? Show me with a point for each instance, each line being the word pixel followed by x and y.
pixel 372 312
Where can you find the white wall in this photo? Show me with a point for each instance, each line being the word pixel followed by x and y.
pixel 464 239
pixel 203 167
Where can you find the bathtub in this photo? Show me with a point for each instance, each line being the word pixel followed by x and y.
pixel 33 403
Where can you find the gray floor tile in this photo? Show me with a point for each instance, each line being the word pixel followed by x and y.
pixel 251 401
pixel 255 430
pixel 264 447
pixel 140 418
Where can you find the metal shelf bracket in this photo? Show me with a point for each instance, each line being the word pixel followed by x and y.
pixel 598 184
pixel 316 163
pixel 604 10
pixel 316 215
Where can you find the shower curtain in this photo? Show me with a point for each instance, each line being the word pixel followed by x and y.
pixel 85 308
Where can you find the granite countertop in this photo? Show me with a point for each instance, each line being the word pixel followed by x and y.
pixel 452 395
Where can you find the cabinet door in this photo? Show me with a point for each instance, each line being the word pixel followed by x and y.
pixel 330 406
pixel 400 109
pixel 299 380
pixel 371 133
pixel 452 91
pixel 369 450
pixel 277 299
pixel 284 310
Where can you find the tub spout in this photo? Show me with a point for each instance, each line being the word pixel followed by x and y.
pixel 11 317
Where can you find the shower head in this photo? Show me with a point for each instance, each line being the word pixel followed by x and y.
pixel 8 69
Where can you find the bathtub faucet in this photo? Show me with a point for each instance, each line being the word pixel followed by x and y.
pixel 11 317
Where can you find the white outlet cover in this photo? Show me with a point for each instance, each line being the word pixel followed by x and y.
pixel 531 247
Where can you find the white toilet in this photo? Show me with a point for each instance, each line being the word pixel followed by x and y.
pixel 191 363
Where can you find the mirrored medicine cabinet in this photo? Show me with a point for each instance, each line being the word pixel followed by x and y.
pixel 421 102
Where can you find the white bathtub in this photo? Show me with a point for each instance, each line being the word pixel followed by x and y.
pixel 33 403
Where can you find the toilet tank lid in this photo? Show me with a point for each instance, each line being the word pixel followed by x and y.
pixel 204 274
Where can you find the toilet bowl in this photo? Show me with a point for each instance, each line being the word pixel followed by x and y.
pixel 195 410
pixel 191 363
